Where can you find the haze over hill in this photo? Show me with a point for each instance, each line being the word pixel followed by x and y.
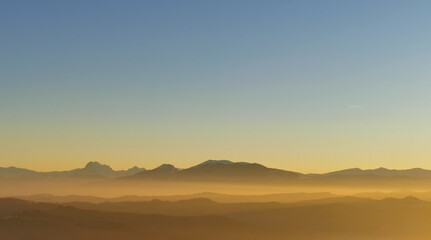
pixel 218 197
pixel 220 176
pixel 316 111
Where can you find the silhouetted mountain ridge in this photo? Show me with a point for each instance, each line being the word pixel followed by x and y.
pixel 381 172
pixel 91 169
pixel 218 170
pixel 214 170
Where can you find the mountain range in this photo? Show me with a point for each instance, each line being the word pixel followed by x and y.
pixel 212 170
pixel 221 170
pixel 92 169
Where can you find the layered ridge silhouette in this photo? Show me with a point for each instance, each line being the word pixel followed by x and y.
pixel 332 218
pixel 213 170
pixel 218 197
pixel 92 169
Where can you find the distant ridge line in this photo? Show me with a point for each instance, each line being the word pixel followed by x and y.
pixel 211 170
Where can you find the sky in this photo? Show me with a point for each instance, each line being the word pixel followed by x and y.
pixel 310 86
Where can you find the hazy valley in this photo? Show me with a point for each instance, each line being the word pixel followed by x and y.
pixel 216 199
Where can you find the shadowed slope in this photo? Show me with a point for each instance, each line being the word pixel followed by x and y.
pixel 336 219
pixel 390 218
pixel 25 220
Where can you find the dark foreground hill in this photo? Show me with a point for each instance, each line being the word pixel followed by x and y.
pixel 336 219
pixel 347 218
pixel 22 220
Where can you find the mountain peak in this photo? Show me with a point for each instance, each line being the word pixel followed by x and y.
pixel 210 162
pixel 166 167
pixel 381 169
pixel 354 169
pixel 96 165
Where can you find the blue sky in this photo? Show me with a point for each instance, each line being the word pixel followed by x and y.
pixel 185 81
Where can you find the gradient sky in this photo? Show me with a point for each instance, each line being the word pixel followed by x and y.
pixel 308 86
